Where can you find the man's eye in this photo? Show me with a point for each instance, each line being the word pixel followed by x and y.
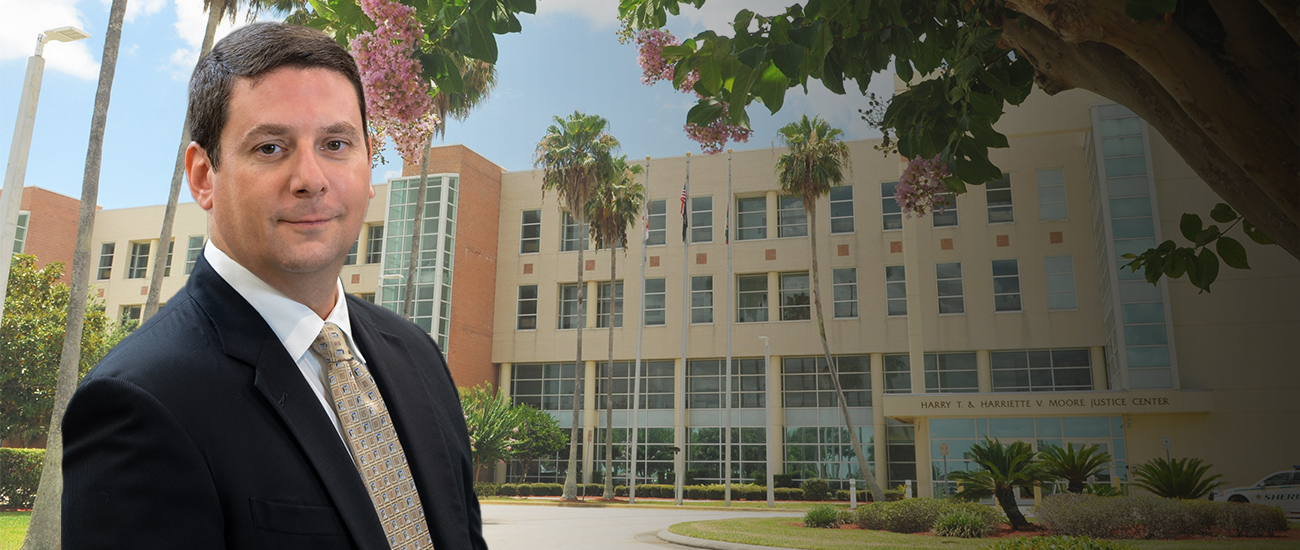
pixel 335 144
pixel 268 149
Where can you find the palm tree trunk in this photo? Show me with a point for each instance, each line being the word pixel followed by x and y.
pixel 575 431
pixel 609 386
pixel 810 208
pixel 169 215
pixel 1007 499
pixel 44 530
pixel 408 298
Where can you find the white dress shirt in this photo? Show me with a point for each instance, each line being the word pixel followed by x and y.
pixel 295 324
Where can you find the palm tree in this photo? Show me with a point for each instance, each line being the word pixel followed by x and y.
pixel 217 9
pixel 1002 469
pixel 43 530
pixel 575 155
pixel 1182 478
pixel 614 206
pixel 1074 466
pixel 816 160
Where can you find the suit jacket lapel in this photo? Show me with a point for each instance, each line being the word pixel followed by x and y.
pixel 420 427
pixel 246 337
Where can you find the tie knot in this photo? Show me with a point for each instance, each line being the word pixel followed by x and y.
pixel 331 345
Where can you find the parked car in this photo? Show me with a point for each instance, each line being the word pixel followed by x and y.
pixel 1280 489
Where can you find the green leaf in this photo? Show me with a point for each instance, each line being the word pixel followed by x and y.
pixel 1167 247
pixel 985 135
pixel 710 75
pixel 704 113
pixel 1223 213
pixel 526 6
pixel 753 56
pixel 771 87
pixel 1155 267
pixel 904 69
pixel 742 21
pixel 1207 266
pixel 1177 264
pixel 1207 236
pixel 1254 233
pixel 1190 225
pixel 789 58
pixel 806 35
pixel 1233 253
pixel 439 67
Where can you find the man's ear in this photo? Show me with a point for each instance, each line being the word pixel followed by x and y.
pixel 199 171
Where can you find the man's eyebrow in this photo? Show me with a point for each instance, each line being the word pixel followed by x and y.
pixel 267 130
pixel 342 128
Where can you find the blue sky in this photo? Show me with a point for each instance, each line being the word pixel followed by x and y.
pixel 566 58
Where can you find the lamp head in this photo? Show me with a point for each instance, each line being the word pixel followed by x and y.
pixel 66 34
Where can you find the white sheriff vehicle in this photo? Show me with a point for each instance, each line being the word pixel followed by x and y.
pixel 1280 489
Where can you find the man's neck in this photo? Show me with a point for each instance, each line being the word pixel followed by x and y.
pixel 316 291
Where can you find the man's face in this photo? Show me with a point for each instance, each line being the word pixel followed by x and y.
pixel 294 180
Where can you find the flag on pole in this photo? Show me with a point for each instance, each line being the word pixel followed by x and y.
pixel 645 223
pixel 726 230
pixel 683 212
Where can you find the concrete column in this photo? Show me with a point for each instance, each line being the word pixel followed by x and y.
pixel 771 214
pixel 773 297
pixel 984 370
pixel 505 371
pixel 916 311
pixel 589 418
pixel 923 478
pixel 1097 356
pixel 878 428
pixel 590 306
pixel 776 417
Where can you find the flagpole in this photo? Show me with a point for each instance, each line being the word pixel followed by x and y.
pixel 727 236
pixel 679 461
pixel 640 332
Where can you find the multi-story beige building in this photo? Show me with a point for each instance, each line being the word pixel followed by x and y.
pixel 1007 315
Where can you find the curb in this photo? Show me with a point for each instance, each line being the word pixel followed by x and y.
pixel 674 538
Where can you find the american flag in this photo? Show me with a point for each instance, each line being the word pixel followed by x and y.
pixel 683 212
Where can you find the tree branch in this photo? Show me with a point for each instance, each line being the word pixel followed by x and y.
pixel 1287 14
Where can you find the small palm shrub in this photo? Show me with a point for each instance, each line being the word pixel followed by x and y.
pixel 872 516
pixel 1002 469
pixel 823 516
pixel 1075 466
pixel 815 488
pixel 845 516
pixel 1178 478
pixel 1101 490
pixel 961 523
pixel 1056 543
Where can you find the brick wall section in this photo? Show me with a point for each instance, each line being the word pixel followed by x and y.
pixel 52 227
pixel 475 266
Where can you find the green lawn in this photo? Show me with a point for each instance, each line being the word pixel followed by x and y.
pixel 13 525
pixel 779 532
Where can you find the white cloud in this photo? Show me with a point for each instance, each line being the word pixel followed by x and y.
pixel 841 111
pixel 191 24
pixel 135 8
pixel 717 15
pixel 24 20
pixel 601 14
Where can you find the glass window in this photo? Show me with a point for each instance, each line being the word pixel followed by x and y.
pixel 706 383
pixel 1006 285
pixel 1041 370
pixel 570 234
pixel 806 381
pixel 791 221
pixel 654 301
pixel 658 221
pixel 105 260
pixel 530 232
pixel 751 218
pixel 950 373
pixel 367 296
pixel 1060 283
pixel 998 193
pixel 898 374
pixel 701 299
pixel 844 287
pixel 946 214
pixel 842 209
pixel 20 233
pixel 891 214
pixel 1051 195
pixel 794 296
pixel 171 249
pixel 569 314
pixel 192 253
pixel 603 304
pixel 351 258
pixel 526 314
pixel 656 389
pixel 139 264
pixel 701 219
pixel 751 298
pixel 548 386
pixel 827 452
pixel 374 243
pixel 131 315
pixel 895 290
pixel 705 454
pixel 951 298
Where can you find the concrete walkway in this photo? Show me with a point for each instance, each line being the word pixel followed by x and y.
pixel 543 527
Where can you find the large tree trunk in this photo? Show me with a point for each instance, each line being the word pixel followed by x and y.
pixel 609 386
pixel 178 174
pixel 1007 499
pixel 1242 143
pixel 575 431
pixel 408 298
pixel 44 531
pixel 810 208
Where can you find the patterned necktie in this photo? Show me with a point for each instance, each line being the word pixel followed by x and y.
pixel 376 451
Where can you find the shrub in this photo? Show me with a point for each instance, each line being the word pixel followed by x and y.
pixel 524 489
pixel 749 492
pixel 842 495
pixel 787 493
pixel 914 515
pixel 547 489
pixel 871 516
pixel 759 478
pixel 620 490
pixel 508 490
pixel 894 494
pixel 1249 520
pixel 815 488
pixel 486 489
pixel 784 480
pixel 822 516
pixel 1162 518
pixel 1102 490
pixel 20 474
pixel 961 523
pixel 1083 515
pixel 844 516
pixel 1055 543
pixel 1182 478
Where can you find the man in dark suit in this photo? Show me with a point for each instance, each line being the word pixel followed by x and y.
pixel 263 407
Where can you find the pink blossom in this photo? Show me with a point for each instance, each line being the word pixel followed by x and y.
pixel 398 100
pixel 654 67
pixel 921 189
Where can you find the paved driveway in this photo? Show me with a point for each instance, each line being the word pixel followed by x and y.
pixel 533 527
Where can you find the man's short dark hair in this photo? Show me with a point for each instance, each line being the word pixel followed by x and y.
pixel 250 52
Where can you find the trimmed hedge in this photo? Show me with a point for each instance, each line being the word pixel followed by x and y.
pixel 916 515
pixel 486 489
pixel 1155 517
pixel 20 474
pixel 815 488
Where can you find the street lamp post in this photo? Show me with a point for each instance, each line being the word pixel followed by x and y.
pixel 11 198
pixel 771 426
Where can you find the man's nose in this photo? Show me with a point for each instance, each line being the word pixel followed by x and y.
pixel 309 177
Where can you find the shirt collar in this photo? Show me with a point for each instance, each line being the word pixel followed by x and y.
pixel 295 324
